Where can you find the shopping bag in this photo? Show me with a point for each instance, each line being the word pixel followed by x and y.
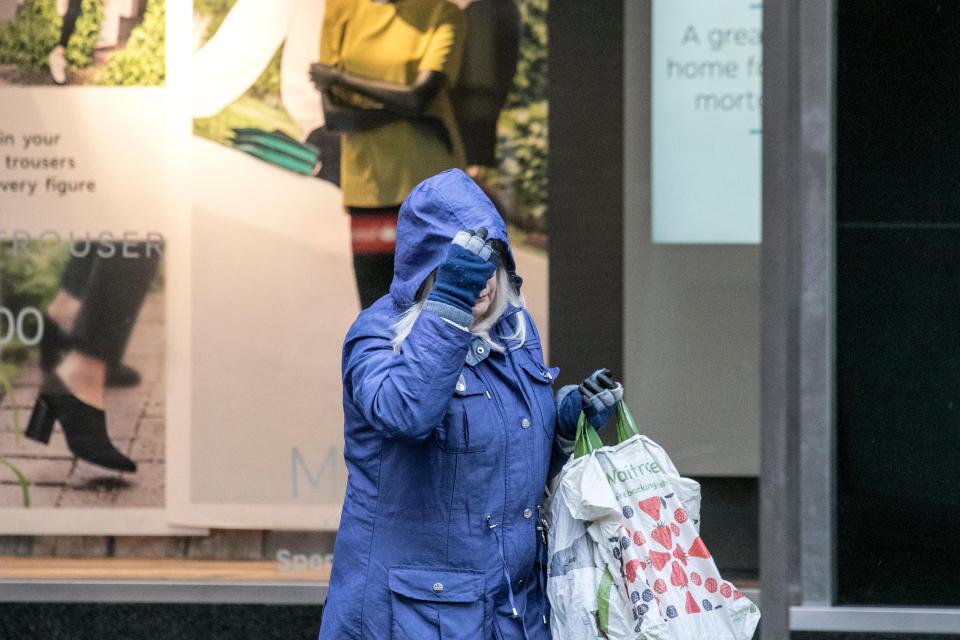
pixel 584 601
pixel 584 605
pixel 642 516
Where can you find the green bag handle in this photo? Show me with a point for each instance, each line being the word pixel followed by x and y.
pixel 626 426
pixel 587 438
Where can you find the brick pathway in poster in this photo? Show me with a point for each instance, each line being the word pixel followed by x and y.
pixel 135 423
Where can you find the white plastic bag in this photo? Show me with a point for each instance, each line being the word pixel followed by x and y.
pixel 642 518
pixel 584 604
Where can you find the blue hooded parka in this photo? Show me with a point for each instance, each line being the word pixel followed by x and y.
pixel 448 444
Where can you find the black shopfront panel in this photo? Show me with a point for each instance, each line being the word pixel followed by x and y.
pixel 898 302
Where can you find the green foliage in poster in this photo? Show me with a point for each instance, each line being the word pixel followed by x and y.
pixel 11 418
pixel 260 107
pixel 522 156
pixel 521 177
pixel 245 112
pixel 29 277
pixel 213 12
pixel 267 86
pixel 79 51
pixel 21 480
pixel 530 81
pixel 28 39
pixel 142 62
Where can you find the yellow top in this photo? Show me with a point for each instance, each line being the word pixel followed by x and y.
pixel 394 42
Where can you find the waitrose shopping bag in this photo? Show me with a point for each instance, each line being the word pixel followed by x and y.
pixel 642 516
pixel 584 604
pixel 585 601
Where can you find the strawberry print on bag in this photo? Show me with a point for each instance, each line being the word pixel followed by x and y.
pixel 664 550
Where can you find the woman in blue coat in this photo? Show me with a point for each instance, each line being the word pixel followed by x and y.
pixel 451 427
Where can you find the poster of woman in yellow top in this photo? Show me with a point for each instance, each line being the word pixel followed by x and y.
pixel 312 122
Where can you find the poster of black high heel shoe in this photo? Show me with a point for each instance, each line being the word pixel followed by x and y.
pixel 87 200
pixel 82 382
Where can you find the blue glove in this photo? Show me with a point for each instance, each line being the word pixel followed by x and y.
pixel 461 277
pixel 597 396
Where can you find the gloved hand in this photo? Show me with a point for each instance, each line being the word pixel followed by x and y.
pixel 600 393
pixel 460 278
pixel 597 396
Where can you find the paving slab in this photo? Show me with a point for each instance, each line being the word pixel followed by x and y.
pixel 27 448
pixel 43 471
pixel 24 394
pixel 156 401
pixel 124 409
pixel 6 420
pixel 30 376
pixel 41 497
pixel 148 444
pixel 143 489
pixel 92 486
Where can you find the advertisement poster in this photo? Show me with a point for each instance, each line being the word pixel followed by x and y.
pixel 84 232
pixel 706 111
pixel 180 259
pixel 278 266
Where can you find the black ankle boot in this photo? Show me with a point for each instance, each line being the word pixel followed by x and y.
pixel 85 427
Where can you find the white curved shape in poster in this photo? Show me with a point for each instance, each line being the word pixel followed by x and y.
pixel 300 97
pixel 232 60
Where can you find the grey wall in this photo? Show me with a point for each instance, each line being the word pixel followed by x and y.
pixel 678 323
pixel 691 312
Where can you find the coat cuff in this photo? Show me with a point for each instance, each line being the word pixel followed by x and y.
pixel 566 445
pixel 568 411
pixel 449 312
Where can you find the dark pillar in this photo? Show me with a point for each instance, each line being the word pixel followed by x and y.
pixel 586 186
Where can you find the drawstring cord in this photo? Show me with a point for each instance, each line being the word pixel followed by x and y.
pixel 506 572
pixel 542 557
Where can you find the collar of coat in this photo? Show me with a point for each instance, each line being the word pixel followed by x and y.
pixel 480 348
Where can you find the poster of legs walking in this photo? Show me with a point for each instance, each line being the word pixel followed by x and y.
pixel 84 234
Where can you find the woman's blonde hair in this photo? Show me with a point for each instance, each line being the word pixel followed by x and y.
pixel 504 295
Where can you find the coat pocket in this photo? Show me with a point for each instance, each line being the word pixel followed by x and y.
pixel 436 604
pixel 539 372
pixel 466 427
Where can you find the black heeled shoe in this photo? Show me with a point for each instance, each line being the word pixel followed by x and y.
pixel 85 427
pixel 55 341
